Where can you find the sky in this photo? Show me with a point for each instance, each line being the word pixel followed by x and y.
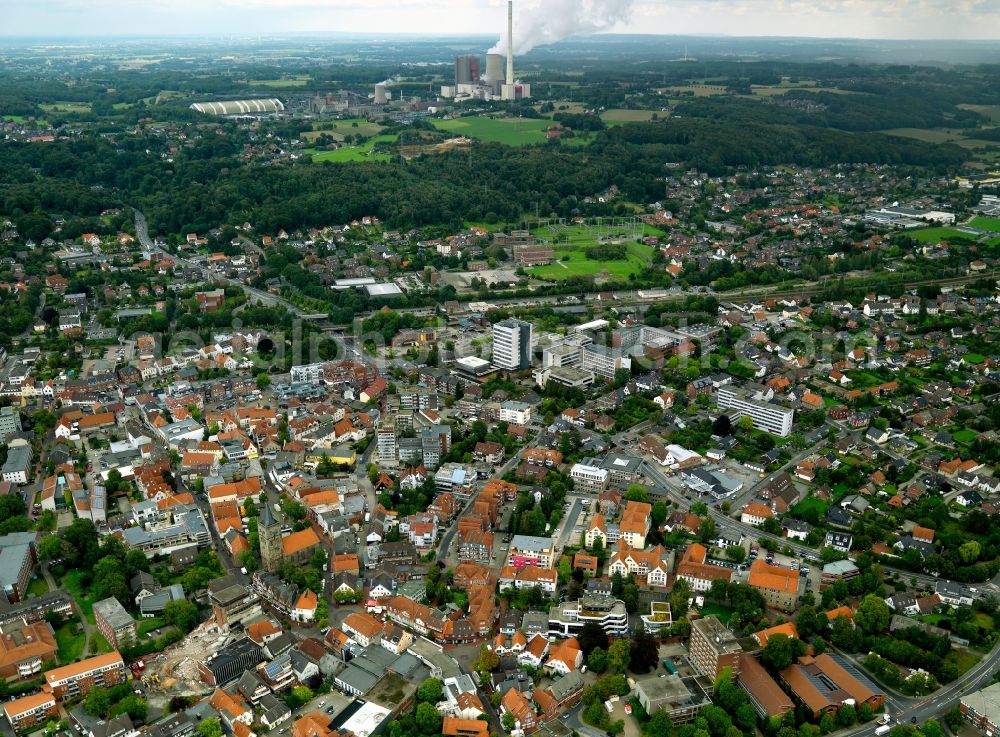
pixel 891 19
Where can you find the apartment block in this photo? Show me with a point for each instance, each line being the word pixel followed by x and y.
pixel 713 647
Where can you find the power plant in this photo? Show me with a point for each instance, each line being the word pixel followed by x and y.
pixel 495 84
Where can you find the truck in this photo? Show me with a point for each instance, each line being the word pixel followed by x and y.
pixel 277 507
pixel 884 729
pixel 884 718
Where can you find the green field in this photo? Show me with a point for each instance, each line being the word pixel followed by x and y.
pixel 965 436
pixel 38 587
pixel 70 643
pixel 570 244
pixel 66 107
pixel 963 659
pixel 354 153
pixel 98 644
pixel 620 117
pixel 719 610
pixel 509 131
pixel 976 358
pixel 810 503
pixel 340 128
pixel 148 625
pixel 934 235
pixel 71 583
pixel 299 81
pixel 985 223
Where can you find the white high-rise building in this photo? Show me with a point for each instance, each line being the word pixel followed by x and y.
pixel 772 418
pixel 512 341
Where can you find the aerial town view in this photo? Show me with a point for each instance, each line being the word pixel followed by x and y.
pixel 482 369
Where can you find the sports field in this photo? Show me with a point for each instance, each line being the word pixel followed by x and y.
pixel 571 243
pixel 509 131
pixel 340 128
pixel 934 235
pixel 985 223
pixel 354 153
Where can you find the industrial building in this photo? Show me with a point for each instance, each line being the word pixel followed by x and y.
pixel 497 83
pixel 240 107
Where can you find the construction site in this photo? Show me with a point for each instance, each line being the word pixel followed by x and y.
pixel 174 672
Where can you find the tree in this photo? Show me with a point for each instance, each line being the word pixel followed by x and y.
pixel 872 615
pixel 746 423
pixel 657 514
pixel 597 661
pixel 98 702
pixel 679 596
pixel 427 719
pixel 827 724
pixel 807 622
pixel 659 725
pixel 133 705
pixel 508 722
pixel 298 696
pixel 736 553
pixel 969 551
pixel 778 652
pixel 591 637
pixel 210 727
pixel 846 715
pixel 109 580
pixel 637 493
pixel 182 613
pixel 618 656
pixel 722 426
pixel 487 661
pixel 263 381
pixel 50 547
pixel 430 691
pixel 865 713
pixel 643 651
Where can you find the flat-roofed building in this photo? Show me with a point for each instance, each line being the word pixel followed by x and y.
pixel 982 709
pixel 713 647
pixel 114 622
pixel 17 561
pixel 772 418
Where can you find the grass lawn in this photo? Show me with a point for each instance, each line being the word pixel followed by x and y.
pixel 974 358
pixel 509 131
pixel 98 644
pixel 340 128
pixel 810 503
pixel 964 660
pixel 37 587
pixel 985 223
pixel 71 583
pixel 570 244
pixel 965 436
pixel 933 235
pixel 354 153
pixel 70 643
pixel 719 610
pixel 981 619
pixel 148 625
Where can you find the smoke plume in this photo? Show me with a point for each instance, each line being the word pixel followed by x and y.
pixel 553 20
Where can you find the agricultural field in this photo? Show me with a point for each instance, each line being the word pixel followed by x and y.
pixel 354 153
pixel 990 111
pixel 297 81
pixel 66 107
pixel 509 131
pixel 697 90
pixel 620 117
pixel 985 223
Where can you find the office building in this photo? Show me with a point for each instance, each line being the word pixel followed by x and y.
pixel 713 648
pixel 568 619
pixel 512 342
pixel 771 418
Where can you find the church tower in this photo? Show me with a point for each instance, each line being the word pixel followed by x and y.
pixel 269 532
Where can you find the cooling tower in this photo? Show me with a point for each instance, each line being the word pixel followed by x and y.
pixel 381 96
pixel 494 68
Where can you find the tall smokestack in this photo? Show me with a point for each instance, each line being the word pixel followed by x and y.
pixel 510 42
